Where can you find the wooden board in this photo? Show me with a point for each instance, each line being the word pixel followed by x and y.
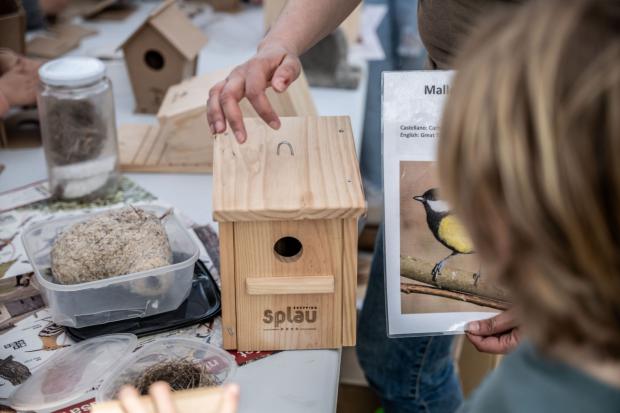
pixel 350 26
pixel 349 282
pixel 165 148
pixel 307 169
pixel 288 321
pixel 227 276
pixel 204 400
pixel 58 40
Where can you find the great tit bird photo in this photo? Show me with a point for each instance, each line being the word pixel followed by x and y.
pixel 446 228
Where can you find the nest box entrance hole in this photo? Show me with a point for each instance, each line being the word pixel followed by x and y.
pixel 154 59
pixel 288 249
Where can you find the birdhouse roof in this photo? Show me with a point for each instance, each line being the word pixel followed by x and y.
pixel 307 169
pixel 176 27
pixel 188 97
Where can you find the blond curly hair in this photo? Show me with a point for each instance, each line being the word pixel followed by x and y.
pixel 529 157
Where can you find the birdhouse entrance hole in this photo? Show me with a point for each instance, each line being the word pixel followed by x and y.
pixel 154 59
pixel 288 249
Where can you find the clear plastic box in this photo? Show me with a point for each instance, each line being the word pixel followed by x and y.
pixel 217 363
pixel 133 295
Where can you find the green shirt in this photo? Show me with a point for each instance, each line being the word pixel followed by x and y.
pixel 527 381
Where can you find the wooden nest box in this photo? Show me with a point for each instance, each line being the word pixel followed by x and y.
pixel 161 53
pixel 287 202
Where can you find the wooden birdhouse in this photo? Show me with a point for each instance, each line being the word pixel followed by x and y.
pixel 161 53
pixel 182 142
pixel 287 202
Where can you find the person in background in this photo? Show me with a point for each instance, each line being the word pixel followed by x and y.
pixel 161 396
pixel 529 158
pixel 19 80
pixel 409 374
pixel 38 11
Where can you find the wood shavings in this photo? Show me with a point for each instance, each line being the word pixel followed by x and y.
pixel 116 243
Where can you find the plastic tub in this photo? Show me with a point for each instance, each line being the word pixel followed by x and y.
pixel 218 364
pixel 140 294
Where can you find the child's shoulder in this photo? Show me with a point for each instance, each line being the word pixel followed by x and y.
pixel 527 381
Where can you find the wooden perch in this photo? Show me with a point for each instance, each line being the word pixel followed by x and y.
pixel 451 279
pixel 454 295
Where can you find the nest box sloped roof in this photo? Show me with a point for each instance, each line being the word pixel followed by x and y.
pixel 307 169
pixel 176 27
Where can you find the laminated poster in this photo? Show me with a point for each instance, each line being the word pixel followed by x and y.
pixel 434 283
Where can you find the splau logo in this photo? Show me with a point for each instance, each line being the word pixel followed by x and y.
pixel 295 315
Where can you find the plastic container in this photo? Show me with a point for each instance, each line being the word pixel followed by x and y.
pixel 215 362
pixel 68 375
pixel 76 110
pixel 140 294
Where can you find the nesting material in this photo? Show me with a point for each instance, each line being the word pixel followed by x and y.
pixel 76 131
pixel 116 243
pixel 180 374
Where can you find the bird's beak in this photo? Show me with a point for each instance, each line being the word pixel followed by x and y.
pixel 419 198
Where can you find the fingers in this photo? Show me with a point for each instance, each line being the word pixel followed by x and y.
pixel 162 397
pixel 498 324
pixel 255 86
pixel 130 400
pixel 501 344
pixel 215 116
pixel 286 73
pixel 232 93
pixel 230 399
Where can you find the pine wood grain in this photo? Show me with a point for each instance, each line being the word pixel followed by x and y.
pixel 320 179
pixel 204 400
pixel 322 284
pixel 254 257
pixel 349 282
pixel 227 276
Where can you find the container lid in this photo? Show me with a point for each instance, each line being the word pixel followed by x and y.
pixel 68 375
pixel 216 366
pixel 72 71
pixel 307 169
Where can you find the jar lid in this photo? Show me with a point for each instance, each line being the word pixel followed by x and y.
pixel 68 375
pixel 72 71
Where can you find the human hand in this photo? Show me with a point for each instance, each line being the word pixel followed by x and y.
pixel 19 85
pixel 162 398
pixel 52 7
pixel 496 335
pixel 273 65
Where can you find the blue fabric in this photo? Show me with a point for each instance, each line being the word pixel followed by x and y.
pixel 409 374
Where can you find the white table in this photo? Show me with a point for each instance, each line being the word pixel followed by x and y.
pixel 290 381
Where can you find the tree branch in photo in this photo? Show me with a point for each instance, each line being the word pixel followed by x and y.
pixel 451 279
pixel 454 295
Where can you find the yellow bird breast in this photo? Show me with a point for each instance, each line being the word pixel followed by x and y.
pixel 453 233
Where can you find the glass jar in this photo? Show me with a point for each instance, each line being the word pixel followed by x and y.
pixel 78 127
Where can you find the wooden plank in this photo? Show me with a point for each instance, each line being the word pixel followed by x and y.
pixel 227 276
pixel 288 321
pixel 320 284
pixel 131 137
pixel 177 145
pixel 349 281
pixel 204 400
pixel 307 169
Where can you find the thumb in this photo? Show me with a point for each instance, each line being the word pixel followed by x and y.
pixel 286 73
pixel 498 324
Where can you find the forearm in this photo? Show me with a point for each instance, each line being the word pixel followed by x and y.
pixel 303 23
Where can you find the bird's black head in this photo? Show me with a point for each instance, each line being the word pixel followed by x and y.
pixel 429 195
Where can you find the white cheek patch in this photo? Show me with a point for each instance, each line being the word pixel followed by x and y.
pixel 439 206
